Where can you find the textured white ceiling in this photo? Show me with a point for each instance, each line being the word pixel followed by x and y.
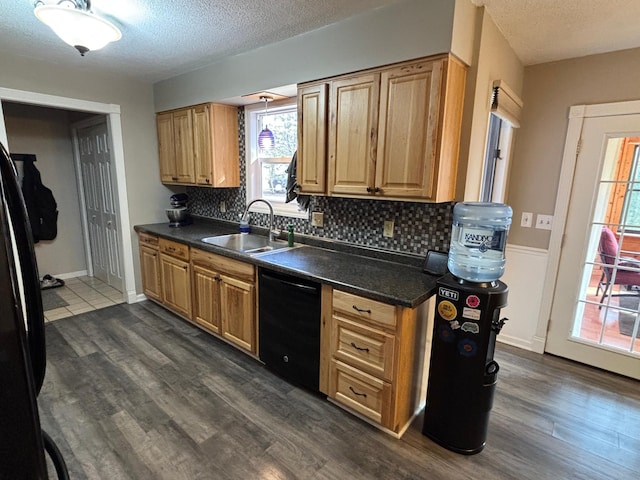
pixel 541 31
pixel 163 38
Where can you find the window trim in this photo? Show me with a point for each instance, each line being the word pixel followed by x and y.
pixel 251 148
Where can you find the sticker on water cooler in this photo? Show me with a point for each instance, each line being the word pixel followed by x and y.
pixel 471 313
pixel 470 327
pixel 447 310
pixel 467 347
pixel 473 301
pixel 446 293
pixel 446 334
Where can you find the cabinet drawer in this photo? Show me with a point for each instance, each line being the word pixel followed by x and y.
pixel 223 264
pixel 368 349
pixel 175 249
pixel 146 239
pixel 364 308
pixel 363 393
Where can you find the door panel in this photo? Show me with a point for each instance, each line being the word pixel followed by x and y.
pixel 96 166
pixel 352 136
pixel 585 324
pixel 409 109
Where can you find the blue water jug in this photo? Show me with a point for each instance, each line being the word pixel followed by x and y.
pixel 478 240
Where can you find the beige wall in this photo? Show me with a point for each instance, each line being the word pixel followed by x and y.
pixel 45 133
pixel 409 29
pixel 549 91
pixel 147 197
pixel 495 60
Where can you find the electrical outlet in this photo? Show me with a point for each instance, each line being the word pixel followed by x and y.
pixel 527 218
pixel 544 222
pixel 388 229
pixel 223 206
pixel 317 219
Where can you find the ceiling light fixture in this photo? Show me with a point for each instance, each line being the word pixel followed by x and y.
pixel 265 138
pixel 75 24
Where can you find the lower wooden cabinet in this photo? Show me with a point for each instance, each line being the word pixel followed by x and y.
pixel 238 312
pixel 176 284
pixel 150 267
pixel 376 359
pixel 206 298
pixel 224 298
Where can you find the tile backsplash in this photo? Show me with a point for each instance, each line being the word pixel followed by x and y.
pixel 419 227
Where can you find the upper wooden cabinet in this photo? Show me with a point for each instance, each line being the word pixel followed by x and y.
pixel 352 134
pixel 199 146
pixel 393 132
pixel 312 142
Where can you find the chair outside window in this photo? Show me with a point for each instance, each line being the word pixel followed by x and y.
pixel 616 270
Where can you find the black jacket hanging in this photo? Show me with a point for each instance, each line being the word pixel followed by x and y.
pixel 41 205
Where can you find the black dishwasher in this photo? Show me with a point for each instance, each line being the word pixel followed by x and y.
pixel 289 326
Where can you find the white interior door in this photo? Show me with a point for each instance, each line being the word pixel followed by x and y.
pixel 100 203
pixel 585 324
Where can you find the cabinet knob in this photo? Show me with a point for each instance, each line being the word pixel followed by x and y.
pixel 369 189
pixel 206 180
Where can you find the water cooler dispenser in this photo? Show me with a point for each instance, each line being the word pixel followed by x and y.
pixel 462 371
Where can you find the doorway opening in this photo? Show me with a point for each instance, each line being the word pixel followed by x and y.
pixel 110 113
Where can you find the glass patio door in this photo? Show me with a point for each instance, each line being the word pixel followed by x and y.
pixel 594 317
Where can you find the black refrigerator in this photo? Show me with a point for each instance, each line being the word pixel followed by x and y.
pixel 22 343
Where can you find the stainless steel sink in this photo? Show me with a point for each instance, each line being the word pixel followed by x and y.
pixel 245 243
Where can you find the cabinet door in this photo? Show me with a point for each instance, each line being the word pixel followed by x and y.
pixel 202 145
pixel 183 138
pixel 238 312
pixel 150 269
pixel 312 147
pixel 408 129
pixel 206 298
pixel 166 148
pixel 225 146
pixel 176 284
pixel 352 134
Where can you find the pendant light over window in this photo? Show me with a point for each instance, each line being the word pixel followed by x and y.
pixel 266 141
pixel 76 25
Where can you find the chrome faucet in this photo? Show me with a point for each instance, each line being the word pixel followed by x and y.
pixel 272 233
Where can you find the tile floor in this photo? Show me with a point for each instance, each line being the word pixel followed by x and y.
pixel 83 294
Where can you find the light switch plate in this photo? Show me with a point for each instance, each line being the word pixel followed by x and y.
pixel 544 222
pixel 527 218
pixel 223 206
pixel 388 229
pixel 317 219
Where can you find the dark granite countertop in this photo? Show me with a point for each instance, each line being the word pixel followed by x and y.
pixel 399 283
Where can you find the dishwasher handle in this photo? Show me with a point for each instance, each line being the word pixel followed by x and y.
pixel 295 285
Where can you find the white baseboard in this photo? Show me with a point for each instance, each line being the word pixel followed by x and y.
pixel 133 297
pixel 515 342
pixel 64 276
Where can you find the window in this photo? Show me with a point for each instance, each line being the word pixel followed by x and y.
pixel 494 176
pixel 504 117
pixel 624 200
pixel 267 169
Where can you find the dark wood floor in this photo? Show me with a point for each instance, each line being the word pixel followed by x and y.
pixel 132 392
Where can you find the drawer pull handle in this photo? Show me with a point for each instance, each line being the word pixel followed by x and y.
pixel 356 393
pixel 360 309
pixel 359 348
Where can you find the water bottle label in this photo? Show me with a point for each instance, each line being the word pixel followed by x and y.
pixel 483 238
